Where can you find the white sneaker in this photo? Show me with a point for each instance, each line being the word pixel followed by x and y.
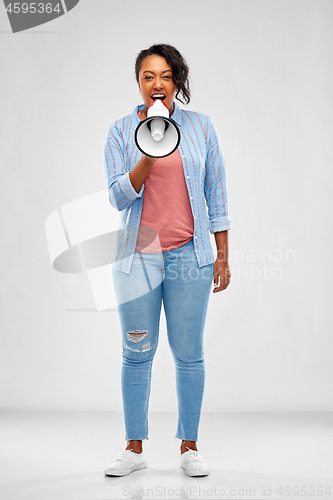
pixel 126 463
pixel 193 463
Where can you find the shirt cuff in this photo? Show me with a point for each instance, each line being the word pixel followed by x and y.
pixel 217 225
pixel 128 189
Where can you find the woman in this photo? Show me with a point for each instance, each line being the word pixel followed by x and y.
pixel 163 252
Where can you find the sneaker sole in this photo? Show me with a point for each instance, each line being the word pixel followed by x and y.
pixel 110 472
pixel 196 472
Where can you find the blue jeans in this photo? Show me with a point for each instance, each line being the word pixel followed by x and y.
pixel 174 277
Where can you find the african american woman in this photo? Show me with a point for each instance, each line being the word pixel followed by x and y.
pixel 168 208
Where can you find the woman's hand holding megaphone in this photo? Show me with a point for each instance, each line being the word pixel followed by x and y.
pixel 150 159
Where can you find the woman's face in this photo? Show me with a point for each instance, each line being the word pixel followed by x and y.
pixel 155 82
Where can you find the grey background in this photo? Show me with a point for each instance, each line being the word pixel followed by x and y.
pixel 262 70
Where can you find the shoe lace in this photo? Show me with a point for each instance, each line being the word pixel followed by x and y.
pixel 123 454
pixel 193 454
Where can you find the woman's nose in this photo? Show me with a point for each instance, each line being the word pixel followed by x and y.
pixel 158 84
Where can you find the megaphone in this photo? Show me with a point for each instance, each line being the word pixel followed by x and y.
pixel 157 136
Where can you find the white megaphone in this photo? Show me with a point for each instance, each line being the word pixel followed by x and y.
pixel 157 136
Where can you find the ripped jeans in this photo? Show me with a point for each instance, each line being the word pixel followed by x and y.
pixel 174 277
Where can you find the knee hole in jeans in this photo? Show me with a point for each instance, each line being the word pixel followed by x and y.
pixel 137 336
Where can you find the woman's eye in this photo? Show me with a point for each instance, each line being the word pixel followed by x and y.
pixel 165 77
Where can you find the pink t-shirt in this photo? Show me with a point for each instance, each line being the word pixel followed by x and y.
pixel 166 208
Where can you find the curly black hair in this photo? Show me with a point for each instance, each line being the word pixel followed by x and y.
pixel 176 62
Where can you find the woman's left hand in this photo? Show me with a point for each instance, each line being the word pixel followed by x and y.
pixel 222 272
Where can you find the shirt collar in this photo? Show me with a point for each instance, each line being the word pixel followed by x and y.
pixel 176 115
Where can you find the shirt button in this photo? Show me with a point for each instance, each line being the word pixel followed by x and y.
pixel 195 237
pixel 191 197
pixel 183 156
pixel 188 177
pixel 195 217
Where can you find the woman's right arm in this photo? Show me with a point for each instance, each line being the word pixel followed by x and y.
pixel 141 170
pixel 124 186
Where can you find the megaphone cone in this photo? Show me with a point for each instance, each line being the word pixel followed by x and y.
pixel 157 136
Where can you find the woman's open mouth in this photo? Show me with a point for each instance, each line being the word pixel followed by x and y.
pixel 158 96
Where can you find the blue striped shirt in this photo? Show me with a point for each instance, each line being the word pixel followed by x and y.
pixel 205 175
